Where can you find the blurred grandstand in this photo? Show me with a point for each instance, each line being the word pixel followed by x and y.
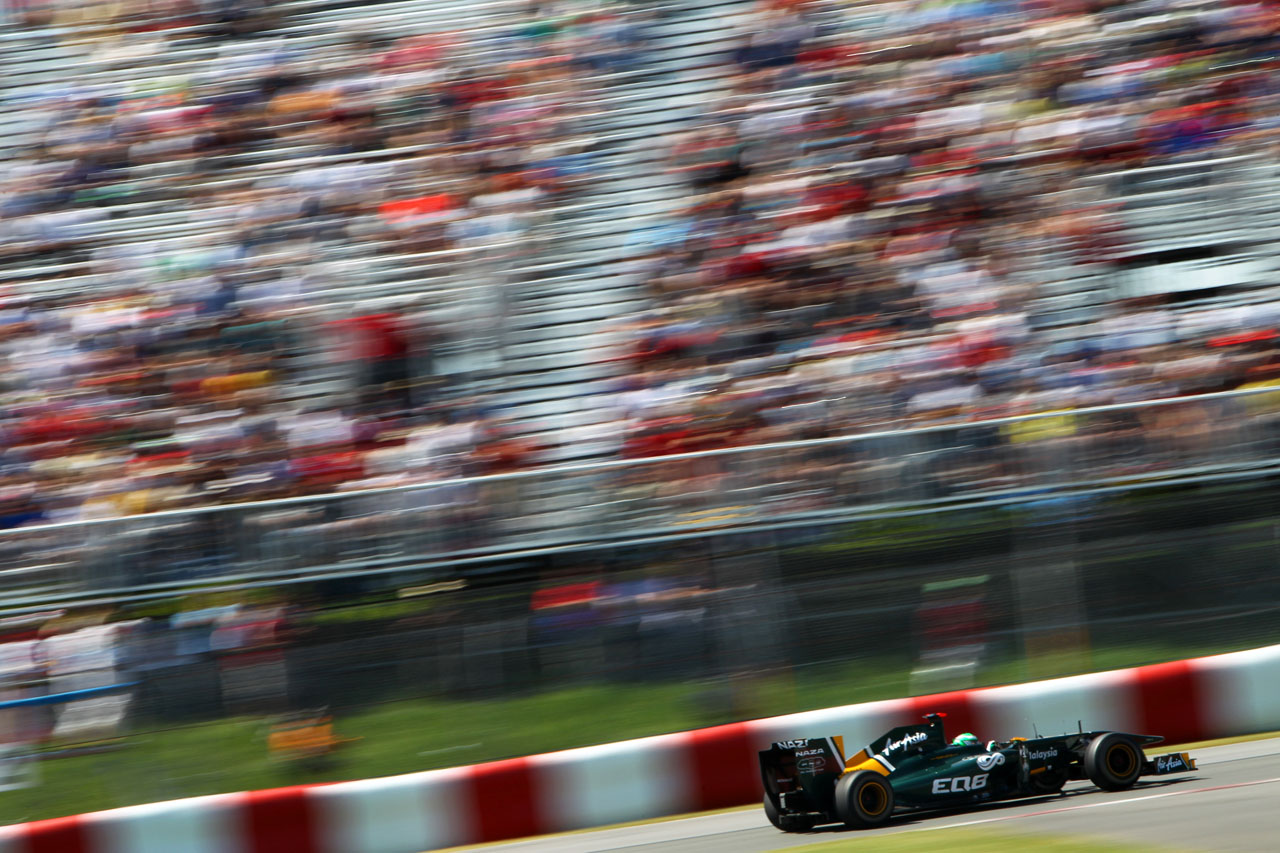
pixel 251 254
pixel 420 293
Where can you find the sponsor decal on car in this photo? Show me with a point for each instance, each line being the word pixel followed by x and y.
pixel 992 759
pixel 1171 763
pixel 801 753
pixel 811 765
pixel 791 744
pixel 1041 754
pixel 959 784
pixel 907 740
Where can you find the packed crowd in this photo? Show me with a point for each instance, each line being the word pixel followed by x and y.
pixel 867 227
pixel 146 372
pixel 879 201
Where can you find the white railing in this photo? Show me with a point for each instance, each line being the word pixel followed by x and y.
pixel 1227 435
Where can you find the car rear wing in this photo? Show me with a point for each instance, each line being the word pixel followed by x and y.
pixel 805 757
pixel 799 775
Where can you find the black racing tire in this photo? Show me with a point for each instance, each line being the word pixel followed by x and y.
pixel 864 799
pixel 787 823
pixel 1113 762
pixel 1047 782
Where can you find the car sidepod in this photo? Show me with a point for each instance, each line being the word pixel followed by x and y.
pixel 954 777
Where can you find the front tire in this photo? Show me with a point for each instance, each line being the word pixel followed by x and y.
pixel 1113 762
pixel 864 799
pixel 786 823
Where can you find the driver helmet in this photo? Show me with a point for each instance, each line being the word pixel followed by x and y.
pixel 966 739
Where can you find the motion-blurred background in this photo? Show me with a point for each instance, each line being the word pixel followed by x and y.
pixel 395 385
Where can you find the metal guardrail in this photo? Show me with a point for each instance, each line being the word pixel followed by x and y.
pixel 433 527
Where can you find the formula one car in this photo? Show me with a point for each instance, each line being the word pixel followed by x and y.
pixel 810 782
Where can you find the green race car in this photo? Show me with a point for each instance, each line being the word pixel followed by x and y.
pixel 811 782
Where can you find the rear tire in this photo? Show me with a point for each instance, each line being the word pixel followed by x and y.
pixel 786 823
pixel 1113 762
pixel 864 799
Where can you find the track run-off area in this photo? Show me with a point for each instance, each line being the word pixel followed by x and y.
pixel 1231 803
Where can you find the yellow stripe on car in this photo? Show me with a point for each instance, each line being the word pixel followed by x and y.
pixel 870 764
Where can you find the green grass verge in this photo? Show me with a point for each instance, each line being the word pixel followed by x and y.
pixel 413 735
pixel 974 841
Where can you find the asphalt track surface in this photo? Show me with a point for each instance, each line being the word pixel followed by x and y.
pixel 1231 803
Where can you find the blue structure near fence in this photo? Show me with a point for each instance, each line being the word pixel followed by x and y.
pixel 68 696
